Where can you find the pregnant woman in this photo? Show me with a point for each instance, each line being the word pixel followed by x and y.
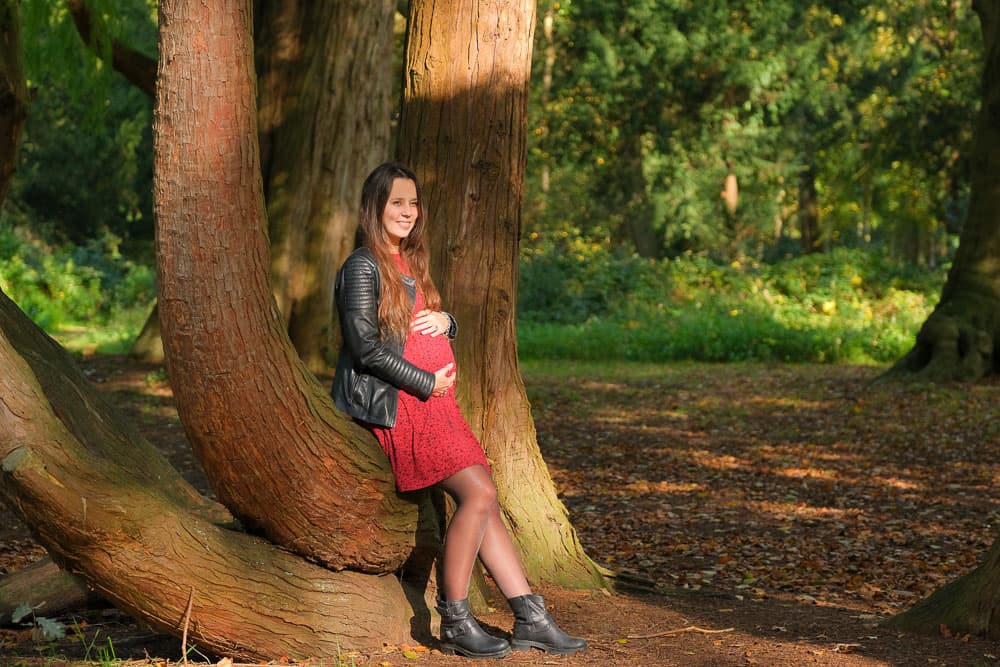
pixel 396 375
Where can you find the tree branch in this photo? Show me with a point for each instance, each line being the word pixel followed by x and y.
pixel 138 68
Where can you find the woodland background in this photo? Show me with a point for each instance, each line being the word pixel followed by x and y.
pixel 723 182
pixel 692 168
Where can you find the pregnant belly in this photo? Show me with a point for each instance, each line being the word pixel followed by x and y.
pixel 428 352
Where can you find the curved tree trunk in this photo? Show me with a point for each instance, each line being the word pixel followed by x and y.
pixel 463 131
pixel 961 338
pixel 324 71
pixel 109 508
pixel 276 451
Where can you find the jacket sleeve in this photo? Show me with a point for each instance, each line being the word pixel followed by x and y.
pixel 452 326
pixel 357 303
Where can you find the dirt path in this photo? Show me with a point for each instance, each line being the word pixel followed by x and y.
pixel 782 511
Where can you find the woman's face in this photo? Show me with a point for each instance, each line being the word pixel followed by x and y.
pixel 401 211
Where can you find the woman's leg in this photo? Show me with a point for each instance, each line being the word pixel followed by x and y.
pixel 500 557
pixel 475 496
pixel 477 529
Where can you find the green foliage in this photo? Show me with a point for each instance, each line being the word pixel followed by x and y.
pixel 642 110
pixel 90 287
pixel 582 302
pixel 85 161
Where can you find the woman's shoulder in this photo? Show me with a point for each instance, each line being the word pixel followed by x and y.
pixel 361 255
pixel 360 261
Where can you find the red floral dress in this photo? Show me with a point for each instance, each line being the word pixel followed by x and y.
pixel 431 439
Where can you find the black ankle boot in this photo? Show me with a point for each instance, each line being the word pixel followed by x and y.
pixel 533 627
pixel 460 633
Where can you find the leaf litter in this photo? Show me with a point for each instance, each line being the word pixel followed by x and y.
pixel 780 512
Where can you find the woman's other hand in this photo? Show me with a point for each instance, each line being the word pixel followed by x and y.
pixel 430 322
pixel 444 378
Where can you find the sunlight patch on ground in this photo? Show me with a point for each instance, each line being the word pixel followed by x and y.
pixel 709 460
pixel 897 483
pixel 664 487
pixel 785 511
pixel 802 473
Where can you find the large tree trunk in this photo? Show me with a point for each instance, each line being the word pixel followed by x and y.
pixel 277 452
pixel 961 339
pixel 463 131
pixel 324 71
pixel 109 508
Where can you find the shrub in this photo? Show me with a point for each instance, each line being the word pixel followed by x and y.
pixel 849 305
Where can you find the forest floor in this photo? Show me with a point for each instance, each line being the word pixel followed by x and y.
pixel 782 513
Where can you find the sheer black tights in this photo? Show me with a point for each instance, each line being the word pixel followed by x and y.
pixel 477 529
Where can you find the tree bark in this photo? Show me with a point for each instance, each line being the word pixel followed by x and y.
pixel 324 71
pixel 961 339
pixel 13 92
pixel 277 452
pixel 463 130
pixel 109 508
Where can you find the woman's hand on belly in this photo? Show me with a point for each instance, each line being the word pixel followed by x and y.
pixel 444 378
pixel 430 322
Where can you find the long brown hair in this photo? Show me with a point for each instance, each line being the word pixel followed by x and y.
pixel 395 307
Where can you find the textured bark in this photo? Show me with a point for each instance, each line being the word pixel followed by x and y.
pixel 463 131
pixel 324 71
pixel 968 605
pixel 961 339
pixel 277 452
pixel 109 508
pixel 47 589
pixel 13 92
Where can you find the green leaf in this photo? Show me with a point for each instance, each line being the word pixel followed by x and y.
pixel 22 611
pixel 50 629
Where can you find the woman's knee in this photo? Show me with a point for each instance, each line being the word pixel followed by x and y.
pixel 473 488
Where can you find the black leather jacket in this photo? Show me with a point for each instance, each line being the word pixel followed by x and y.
pixel 370 370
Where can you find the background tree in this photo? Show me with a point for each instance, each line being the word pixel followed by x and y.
pixel 324 89
pixel 317 142
pixel 790 98
pixel 959 340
